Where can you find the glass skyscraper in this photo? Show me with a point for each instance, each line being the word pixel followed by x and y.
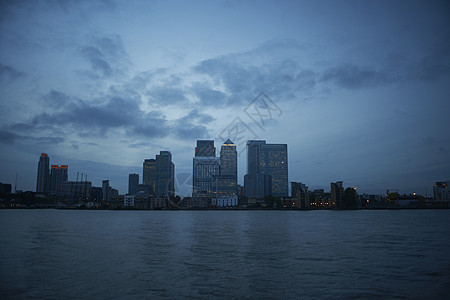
pixel 42 184
pixel 204 169
pixel 149 173
pixel 205 148
pixel 268 159
pixel 165 170
pixel 226 181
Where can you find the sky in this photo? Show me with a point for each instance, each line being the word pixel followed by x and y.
pixel 358 90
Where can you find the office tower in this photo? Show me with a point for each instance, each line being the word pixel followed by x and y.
pixel 204 170
pixel 269 159
pixel 149 173
pixel 133 184
pixel 42 185
pixel 226 182
pixel 337 194
pixel 258 185
pixel 165 170
pixel 58 175
pixel 205 148
pixel 441 190
pixel 205 167
pixel 105 190
pixel 224 185
pixel 228 159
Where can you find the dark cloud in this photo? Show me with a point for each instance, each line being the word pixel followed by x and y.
pixel 49 140
pixel 8 137
pixel 192 126
pixel 283 79
pixel 9 74
pixel 435 65
pixel 56 99
pixel 106 55
pixel 355 77
pixel 166 94
pixel 114 114
pixel 209 96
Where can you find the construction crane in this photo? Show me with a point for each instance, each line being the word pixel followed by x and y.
pixel 392 198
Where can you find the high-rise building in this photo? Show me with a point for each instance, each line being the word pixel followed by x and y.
pixel 205 167
pixel 337 194
pixel 269 159
pixel 441 190
pixel 205 148
pixel 133 184
pixel 257 185
pixel 204 170
pixel 224 185
pixel 228 159
pixel 149 173
pixel 226 181
pixel 58 175
pixel 105 190
pixel 42 185
pixel 165 170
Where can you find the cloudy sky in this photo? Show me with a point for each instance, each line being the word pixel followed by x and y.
pixel 359 90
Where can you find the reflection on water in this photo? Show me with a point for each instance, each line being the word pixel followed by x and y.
pixel 244 254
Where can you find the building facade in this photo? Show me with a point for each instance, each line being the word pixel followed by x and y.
pixel 205 148
pixel 441 190
pixel 58 175
pixel 337 194
pixel 133 184
pixel 42 184
pixel 269 159
pixel 149 173
pixel 165 172
pixel 226 182
pixel 299 191
pixel 204 171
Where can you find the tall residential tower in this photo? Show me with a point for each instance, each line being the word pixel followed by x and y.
pixel 42 184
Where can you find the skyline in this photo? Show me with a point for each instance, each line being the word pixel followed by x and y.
pixel 360 89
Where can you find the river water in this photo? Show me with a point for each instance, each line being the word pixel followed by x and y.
pixel 83 254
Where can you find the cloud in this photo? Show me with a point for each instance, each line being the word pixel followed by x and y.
pixel 7 137
pixel 9 74
pixel 352 76
pixel 166 94
pixel 56 99
pixel 192 126
pixel 106 55
pixel 114 114
pixel 434 66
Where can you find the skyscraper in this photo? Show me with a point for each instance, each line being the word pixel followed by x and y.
pixel 42 184
pixel 205 148
pixel 165 170
pixel 58 175
pixel 105 190
pixel 268 159
pixel 205 166
pixel 228 159
pixel 133 184
pixel 225 184
pixel 149 173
